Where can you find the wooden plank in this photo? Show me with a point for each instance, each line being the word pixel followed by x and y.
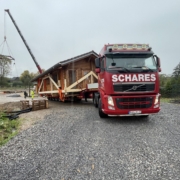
pixel 25 104
pixel 39 104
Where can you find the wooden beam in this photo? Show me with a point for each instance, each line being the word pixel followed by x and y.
pixel 65 85
pixel 74 90
pixel 54 82
pixel 48 92
pixel 81 79
pixel 46 77
pixel 51 84
pixel 92 79
pixel 40 85
pixel 94 75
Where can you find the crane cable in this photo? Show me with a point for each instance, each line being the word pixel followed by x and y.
pixel 6 43
pixel 2 44
pixel 4 25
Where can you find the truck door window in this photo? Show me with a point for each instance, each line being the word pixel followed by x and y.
pixel 150 63
pixel 102 64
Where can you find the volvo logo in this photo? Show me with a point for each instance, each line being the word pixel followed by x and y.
pixel 134 88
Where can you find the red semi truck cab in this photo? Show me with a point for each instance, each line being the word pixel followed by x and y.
pixel 128 80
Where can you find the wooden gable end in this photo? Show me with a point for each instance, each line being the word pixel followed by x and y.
pixel 76 70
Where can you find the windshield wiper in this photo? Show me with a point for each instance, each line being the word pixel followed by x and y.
pixel 144 68
pixel 117 67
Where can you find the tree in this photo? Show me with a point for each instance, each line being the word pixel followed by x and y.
pixel 5 68
pixel 163 79
pixel 26 78
pixel 168 89
pixel 176 72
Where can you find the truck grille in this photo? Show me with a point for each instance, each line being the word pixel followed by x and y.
pixel 133 87
pixel 134 103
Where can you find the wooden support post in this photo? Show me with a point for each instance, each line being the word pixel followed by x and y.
pixel 40 86
pixel 65 85
pixel 92 79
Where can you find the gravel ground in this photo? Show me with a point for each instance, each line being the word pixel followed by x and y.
pixel 72 142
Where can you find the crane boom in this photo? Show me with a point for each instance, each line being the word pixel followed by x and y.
pixel 34 59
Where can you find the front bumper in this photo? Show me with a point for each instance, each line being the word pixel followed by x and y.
pixel 132 105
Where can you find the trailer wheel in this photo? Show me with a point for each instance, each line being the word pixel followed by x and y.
pixel 95 102
pixel 101 113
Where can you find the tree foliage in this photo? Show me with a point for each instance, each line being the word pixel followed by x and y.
pixel 163 79
pixel 5 66
pixel 176 72
pixel 26 78
pixel 170 85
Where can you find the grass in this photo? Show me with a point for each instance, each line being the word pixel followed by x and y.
pixel 170 100
pixel 8 129
pixel 166 100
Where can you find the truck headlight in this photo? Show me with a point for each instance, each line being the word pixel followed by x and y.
pixel 110 101
pixel 156 99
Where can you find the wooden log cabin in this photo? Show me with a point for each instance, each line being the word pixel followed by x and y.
pixel 68 79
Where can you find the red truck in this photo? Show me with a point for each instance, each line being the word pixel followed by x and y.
pixel 128 80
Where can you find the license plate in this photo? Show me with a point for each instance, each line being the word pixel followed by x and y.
pixel 134 112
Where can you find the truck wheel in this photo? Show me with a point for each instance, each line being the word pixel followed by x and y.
pixel 144 116
pixel 101 113
pixel 94 102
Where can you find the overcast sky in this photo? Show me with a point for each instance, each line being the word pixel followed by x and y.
pixel 60 29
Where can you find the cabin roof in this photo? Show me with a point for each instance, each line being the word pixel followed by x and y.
pixel 65 62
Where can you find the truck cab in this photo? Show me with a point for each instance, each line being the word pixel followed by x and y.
pixel 128 80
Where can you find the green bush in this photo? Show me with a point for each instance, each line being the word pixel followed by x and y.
pixel 17 84
pixel 8 129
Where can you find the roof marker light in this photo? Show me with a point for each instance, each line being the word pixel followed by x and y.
pixel 125 46
pixel 134 46
pixel 115 47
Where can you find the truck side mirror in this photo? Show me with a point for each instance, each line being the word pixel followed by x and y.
pixel 97 62
pixel 97 70
pixel 159 64
pixel 159 69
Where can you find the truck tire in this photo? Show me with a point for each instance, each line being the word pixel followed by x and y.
pixel 95 102
pixel 101 113
pixel 144 116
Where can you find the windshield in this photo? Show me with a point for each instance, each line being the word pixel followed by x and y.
pixel 131 63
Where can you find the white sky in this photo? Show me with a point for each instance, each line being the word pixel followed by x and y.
pixel 60 29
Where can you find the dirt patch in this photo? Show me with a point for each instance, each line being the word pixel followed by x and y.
pixel 26 119
pixel 11 106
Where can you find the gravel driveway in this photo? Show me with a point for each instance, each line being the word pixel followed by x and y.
pixel 74 143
